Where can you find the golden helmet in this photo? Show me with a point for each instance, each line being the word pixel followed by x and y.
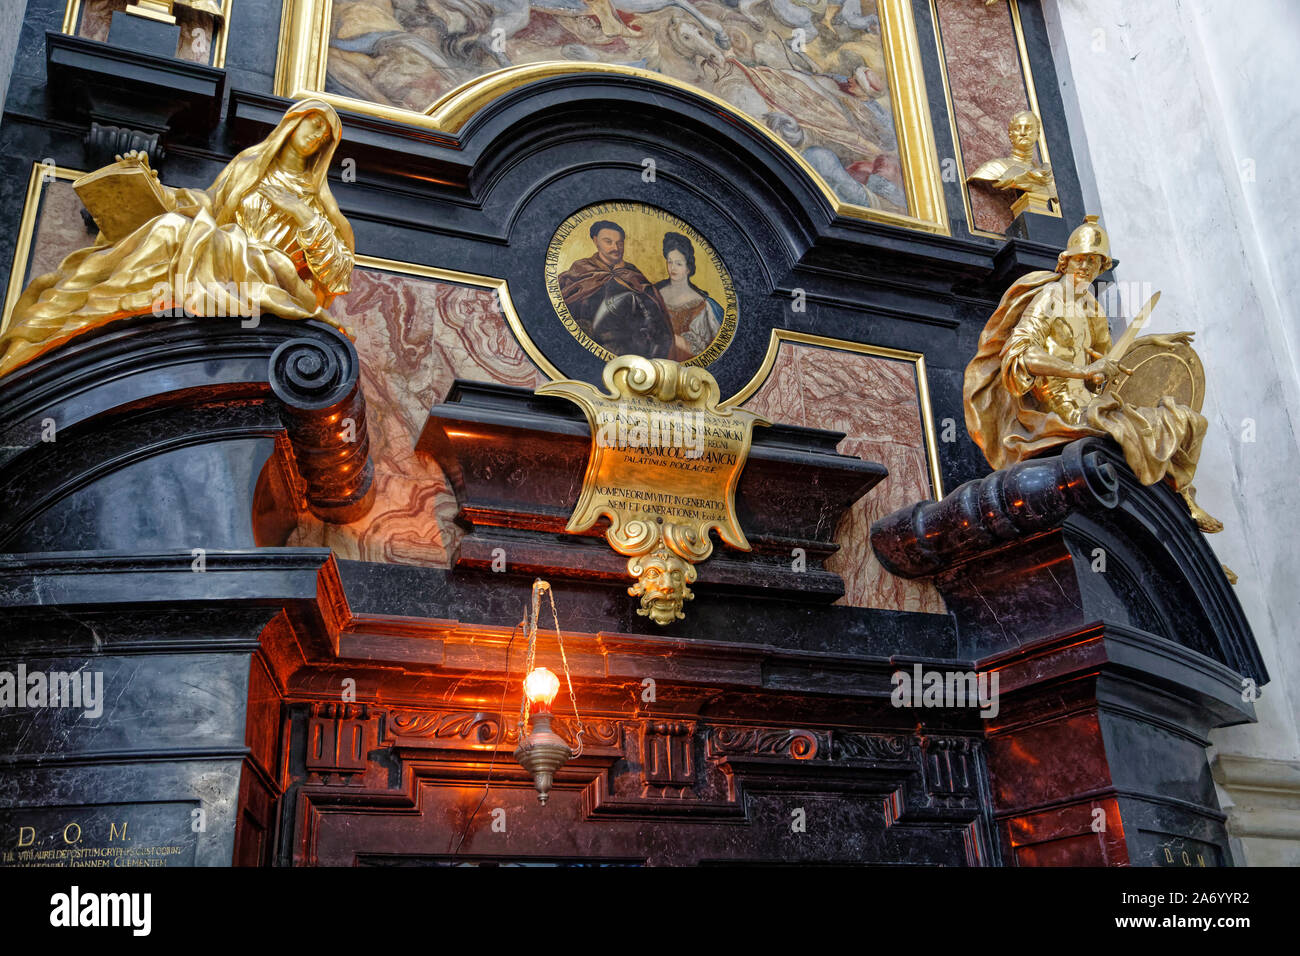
pixel 1088 238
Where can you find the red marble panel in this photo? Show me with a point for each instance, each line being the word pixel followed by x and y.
pixel 873 400
pixel 988 86
pixel 1046 762
pixel 1064 836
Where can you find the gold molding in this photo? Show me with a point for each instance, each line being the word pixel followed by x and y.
pixel 917 146
pixel 72 18
pixel 303 50
pixel 843 345
pixel 1031 97
pixel 27 233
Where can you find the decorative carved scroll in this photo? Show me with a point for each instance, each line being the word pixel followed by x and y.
pixel 665 462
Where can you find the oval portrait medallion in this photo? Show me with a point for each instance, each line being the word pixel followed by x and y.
pixel 628 278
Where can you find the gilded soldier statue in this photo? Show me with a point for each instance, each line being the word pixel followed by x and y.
pixel 1044 375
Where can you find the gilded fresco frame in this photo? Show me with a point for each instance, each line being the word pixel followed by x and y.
pixel 1031 95
pixel 304 48
pixel 72 16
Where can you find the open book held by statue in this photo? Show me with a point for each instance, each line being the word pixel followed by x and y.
pixel 266 237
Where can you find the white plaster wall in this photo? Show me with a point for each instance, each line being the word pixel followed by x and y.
pixel 1186 116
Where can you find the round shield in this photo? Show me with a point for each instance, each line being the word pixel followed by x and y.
pixel 1159 371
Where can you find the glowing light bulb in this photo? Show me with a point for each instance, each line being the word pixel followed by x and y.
pixel 540 687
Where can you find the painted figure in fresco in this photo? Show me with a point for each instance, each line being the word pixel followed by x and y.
pixel 694 315
pixel 266 237
pixel 812 71
pixel 1040 378
pixel 613 301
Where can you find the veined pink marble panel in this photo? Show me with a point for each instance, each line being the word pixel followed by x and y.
pixel 874 401
pixel 414 336
pixel 988 86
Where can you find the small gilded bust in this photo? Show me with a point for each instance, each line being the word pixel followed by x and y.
pixel 1020 171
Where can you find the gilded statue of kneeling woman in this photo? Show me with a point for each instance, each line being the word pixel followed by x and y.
pixel 266 237
pixel 1042 377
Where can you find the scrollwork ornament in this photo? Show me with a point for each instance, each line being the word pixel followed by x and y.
pixel 664 466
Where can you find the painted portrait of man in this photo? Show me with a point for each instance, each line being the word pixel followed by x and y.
pixel 612 300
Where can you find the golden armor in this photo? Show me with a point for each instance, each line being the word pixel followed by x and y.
pixel 266 237
pixel 1044 374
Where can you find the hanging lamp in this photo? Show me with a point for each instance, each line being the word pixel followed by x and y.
pixel 541 750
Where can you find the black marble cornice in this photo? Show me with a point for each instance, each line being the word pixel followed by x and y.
pixel 1133 669
pixel 1018 502
pixel 1155 536
pixel 1056 541
pixel 401 593
pixel 140 88
pixel 78 593
pixel 516 461
pixel 139 388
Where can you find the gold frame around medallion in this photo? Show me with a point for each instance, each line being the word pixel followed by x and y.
pixel 304 48
pixel 27 233
pixel 72 17
pixel 844 345
pixel 1031 96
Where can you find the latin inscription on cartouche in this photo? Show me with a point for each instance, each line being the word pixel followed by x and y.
pixel 665 462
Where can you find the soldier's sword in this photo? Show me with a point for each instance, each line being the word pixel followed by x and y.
pixel 1119 348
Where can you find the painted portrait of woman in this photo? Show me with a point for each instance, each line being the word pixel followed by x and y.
pixel 266 237
pixel 695 315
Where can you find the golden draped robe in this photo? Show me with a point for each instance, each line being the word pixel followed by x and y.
pixel 226 247
pixel 1013 414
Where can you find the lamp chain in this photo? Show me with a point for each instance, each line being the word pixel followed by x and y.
pixel 531 620
pixel 564 659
